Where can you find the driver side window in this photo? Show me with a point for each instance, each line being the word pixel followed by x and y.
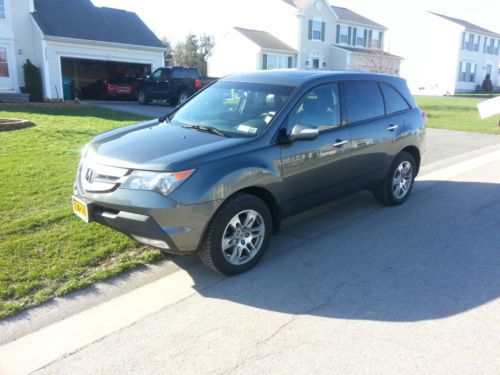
pixel 320 108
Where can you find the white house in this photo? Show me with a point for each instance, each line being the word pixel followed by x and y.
pixel 318 36
pixel 74 39
pixel 454 56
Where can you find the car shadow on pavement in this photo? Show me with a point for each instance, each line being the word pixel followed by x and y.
pixel 435 256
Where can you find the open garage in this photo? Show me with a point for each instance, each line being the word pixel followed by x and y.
pixel 98 79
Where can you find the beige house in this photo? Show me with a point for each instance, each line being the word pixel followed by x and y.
pixel 321 35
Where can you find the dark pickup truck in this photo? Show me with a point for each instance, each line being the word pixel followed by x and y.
pixel 173 85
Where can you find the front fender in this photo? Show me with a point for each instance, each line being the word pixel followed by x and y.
pixel 219 179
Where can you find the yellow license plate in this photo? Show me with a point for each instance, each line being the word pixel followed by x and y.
pixel 80 209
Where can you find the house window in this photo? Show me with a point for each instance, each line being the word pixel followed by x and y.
pixel 463 71
pixel 472 75
pixel 375 42
pixel 477 39
pixel 316 30
pixel 277 61
pixel 488 69
pixel 497 48
pixel 360 37
pixel 2 9
pixel 470 44
pixel 344 34
pixel 4 64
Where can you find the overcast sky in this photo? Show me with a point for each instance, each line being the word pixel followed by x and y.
pixel 175 18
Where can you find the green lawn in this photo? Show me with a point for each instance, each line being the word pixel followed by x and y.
pixel 45 250
pixel 456 113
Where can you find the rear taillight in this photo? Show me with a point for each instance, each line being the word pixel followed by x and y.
pixel 424 117
pixel 197 84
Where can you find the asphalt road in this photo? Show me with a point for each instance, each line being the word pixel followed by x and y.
pixel 356 289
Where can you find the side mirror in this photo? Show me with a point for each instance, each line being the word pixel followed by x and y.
pixel 303 132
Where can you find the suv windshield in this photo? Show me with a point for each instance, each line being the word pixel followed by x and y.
pixel 234 108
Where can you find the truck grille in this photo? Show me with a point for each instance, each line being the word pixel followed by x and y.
pixel 96 178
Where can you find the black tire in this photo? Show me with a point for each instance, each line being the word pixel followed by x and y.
pixel 183 96
pixel 385 193
pixel 210 250
pixel 142 97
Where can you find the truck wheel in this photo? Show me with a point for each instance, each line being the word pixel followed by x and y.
pixel 398 183
pixel 142 97
pixel 183 96
pixel 237 236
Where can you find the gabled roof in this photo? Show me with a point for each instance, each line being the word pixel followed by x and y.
pixel 80 19
pixel 469 26
pixel 368 51
pixel 265 40
pixel 348 15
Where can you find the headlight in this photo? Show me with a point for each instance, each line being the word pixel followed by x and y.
pixel 161 182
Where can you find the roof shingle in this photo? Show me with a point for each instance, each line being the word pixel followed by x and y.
pixel 80 19
pixel 468 25
pixel 265 40
pixel 348 15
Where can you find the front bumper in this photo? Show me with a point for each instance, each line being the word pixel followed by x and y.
pixel 150 215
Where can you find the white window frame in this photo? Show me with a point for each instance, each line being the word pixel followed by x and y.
pixel 6 51
pixel 317 27
pixel 344 33
pixel 360 34
pixel 277 61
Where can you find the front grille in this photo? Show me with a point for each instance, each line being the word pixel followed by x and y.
pixel 96 178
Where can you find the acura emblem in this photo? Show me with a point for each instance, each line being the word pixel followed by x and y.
pixel 88 175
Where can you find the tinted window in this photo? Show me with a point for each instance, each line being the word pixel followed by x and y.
pixel 363 101
pixel 319 107
pixel 185 73
pixel 393 99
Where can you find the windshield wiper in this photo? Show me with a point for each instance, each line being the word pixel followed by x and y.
pixel 208 129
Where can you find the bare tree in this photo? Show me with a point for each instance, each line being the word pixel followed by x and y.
pixel 377 61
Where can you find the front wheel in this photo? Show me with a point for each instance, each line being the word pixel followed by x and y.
pixel 237 236
pixel 142 97
pixel 183 96
pixel 398 183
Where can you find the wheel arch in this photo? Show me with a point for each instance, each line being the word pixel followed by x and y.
pixel 415 153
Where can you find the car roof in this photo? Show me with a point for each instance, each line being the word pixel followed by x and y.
pixel 297 77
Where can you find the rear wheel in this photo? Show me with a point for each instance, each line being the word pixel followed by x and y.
pixel 238 235
pixel 398 183
pixel 142 97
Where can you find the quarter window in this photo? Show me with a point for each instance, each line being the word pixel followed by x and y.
pixel 363 101
pixel 393 100
pixel 320 107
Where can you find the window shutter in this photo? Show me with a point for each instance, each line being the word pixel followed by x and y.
pixel 310 29
pixel 463 40
pixel 365 38
pixel 370 35
pixel 460 71
pixel 322 31
pixel 354 36
pixel 337 38
pixel 349 32
pixel 264 61
pixel 381 39
pixel 289 62
pixel 485 43
pixel 476 47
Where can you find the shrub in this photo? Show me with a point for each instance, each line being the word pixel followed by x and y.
pixel 487 85
pixel 33 81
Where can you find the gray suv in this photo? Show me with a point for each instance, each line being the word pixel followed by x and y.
pixel 218 174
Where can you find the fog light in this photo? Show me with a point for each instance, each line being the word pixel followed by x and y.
pixel 151 242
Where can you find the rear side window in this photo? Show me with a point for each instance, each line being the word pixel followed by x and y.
pixel 185 73
pixel 363 101
pixel 393 99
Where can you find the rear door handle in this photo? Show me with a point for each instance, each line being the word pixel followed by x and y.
pixel 339 143
pixel 391 128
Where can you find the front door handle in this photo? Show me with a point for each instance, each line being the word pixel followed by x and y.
pixel 391 128
pixel 339 143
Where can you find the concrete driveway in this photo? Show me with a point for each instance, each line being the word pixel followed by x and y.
pixel 350 288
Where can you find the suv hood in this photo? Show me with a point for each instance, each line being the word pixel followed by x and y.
pixel 154 146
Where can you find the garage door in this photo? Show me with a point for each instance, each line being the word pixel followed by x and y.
pixel 97 79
